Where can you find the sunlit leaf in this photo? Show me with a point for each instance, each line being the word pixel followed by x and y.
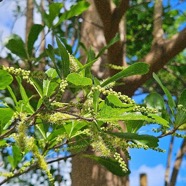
pixel 5 79
pixel 134 69
pixel 148 140
pixel 78 80
pixel 167 93
pixel 75 10
pixel 5 116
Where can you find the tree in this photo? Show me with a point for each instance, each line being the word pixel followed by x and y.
pixel 163 50
pixel 104 20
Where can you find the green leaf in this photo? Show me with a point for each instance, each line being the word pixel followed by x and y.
pixel 134 69
pixel 110 164
pixel 33 36
pixel 78 80
pixel 134 126
pixel 181 112
pixel 115 115
pixel 114 100
pixel 171 102
pixel 148 140
pixel 16 45
pixel 5 116
pixel 159 120
pixel 75 10
pixel 51 83
pixel 50 52
pixel 5 79
pixel 96 94
pixel 54 10
pixel 51 73
pixel 64 63
pixel 155 100
pixel 49 87
pixel 26 101
pixel 73 127
pixel 16 158
pixel 182 99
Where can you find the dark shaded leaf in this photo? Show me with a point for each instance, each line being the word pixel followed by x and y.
pixel 110 164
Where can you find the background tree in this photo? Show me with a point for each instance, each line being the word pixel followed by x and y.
pixel 106 19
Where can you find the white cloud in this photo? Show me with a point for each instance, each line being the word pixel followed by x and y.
pixel 155 175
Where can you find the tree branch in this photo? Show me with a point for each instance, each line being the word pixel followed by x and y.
pixel 34 166
pixel 104 10
pixel 119 12
pixel 158 56
pixel 158 31
pixel 111 19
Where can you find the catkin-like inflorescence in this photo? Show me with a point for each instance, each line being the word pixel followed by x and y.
pixel 25 74
pixel 106 92
pixel 121 162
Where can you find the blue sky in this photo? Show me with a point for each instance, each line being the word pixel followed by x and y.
pixel 151 162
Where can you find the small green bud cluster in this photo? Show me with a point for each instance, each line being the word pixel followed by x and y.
pixel 181 108
pixel 25 74
pixel 26 165
pixel 7 174
pixel 116 67
pixel 138 146
pixel 85 132
pixel 99 146
pixel 42 163
pixel 159 149
pixel 121 162
pixel 58 118
pixel 88 106
pixel 61 138
pixel 144 110
pixel 21 133
pixel 106 92
pixel 73 63
pixel 63 85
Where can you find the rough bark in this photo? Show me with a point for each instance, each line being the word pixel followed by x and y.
pixel 29 17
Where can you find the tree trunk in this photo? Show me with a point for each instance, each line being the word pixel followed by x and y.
pixel 29 17
pixel 84 171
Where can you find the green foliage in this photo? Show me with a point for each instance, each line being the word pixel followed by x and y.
pixel 5 79
pixel 66 108
pixel 16 45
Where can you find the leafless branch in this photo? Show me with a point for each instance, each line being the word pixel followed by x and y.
pixel 177 163
pixel 167 172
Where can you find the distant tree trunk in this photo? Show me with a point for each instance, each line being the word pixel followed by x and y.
pixel 29 17
pixel 143 179
pixel 177 163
